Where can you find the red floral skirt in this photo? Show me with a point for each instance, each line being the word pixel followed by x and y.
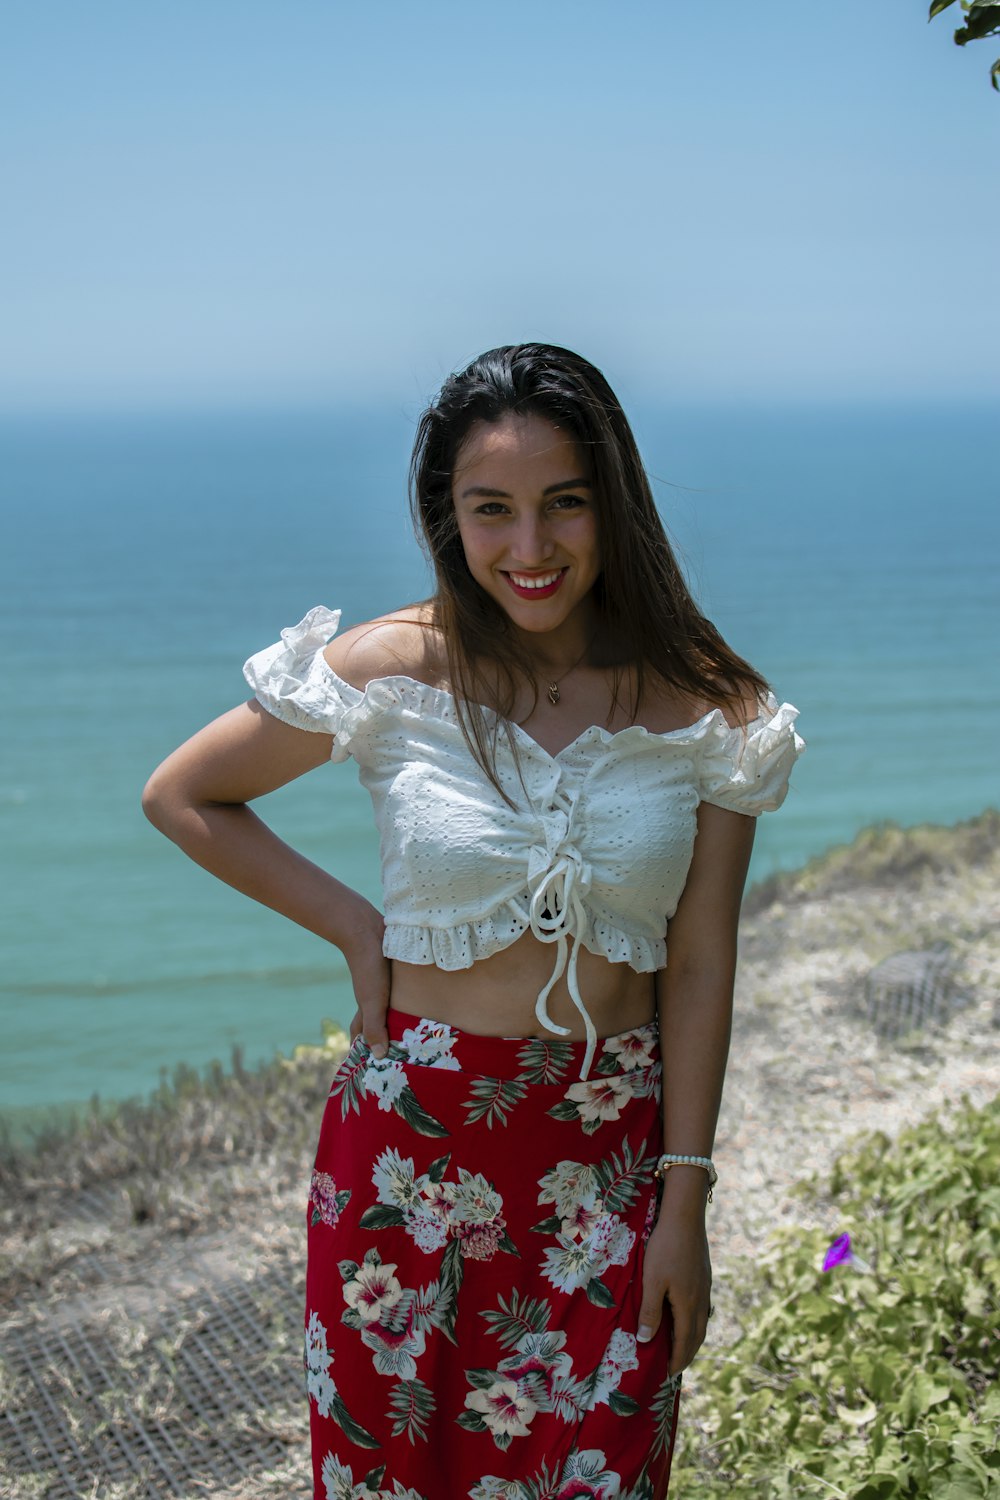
pixel 476 1227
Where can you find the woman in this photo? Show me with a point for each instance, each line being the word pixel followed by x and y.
pixel 508 1266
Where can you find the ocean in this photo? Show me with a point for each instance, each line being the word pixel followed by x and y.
pixel 849 552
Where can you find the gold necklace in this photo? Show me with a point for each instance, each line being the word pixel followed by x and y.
pixel 553 687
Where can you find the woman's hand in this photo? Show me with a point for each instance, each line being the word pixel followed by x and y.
pixel 677 1269
pixel 370 975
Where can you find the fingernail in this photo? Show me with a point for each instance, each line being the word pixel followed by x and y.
pixel 379 1049
pixel 645 1334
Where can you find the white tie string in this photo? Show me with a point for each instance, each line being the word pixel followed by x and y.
pixel 557 915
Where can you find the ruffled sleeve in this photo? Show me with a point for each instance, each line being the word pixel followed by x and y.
pixel 291 680
pixel 747 770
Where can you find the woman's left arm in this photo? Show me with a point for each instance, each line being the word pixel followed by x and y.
pixel 695 1006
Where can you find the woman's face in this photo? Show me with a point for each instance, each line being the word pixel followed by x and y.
pixel 525 507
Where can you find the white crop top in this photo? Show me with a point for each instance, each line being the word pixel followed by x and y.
pixel 597 856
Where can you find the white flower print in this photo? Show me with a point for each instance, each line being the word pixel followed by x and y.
pixel 371 1290
pixel 583 1219
pixel 568 1265
pixel 321 1390
pixel 502 1409
pixel 540 1355
pixel 384 1081
pixel 436 1197
pixel 619 1357
pixel 393 1178
pixel 318 1360
pixel 602 1098
pixel 610 1241
pixel 339 1480
pixel 431 1043
pixel 572 1265
pixel 396 1351
pixel 428 1231
pixel 584 1477
pixel 633 1049
pixel 317 1354
pixel 472 1199
pixel 492 1488
pixel 567 1185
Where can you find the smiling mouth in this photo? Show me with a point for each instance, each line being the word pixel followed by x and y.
pixel 536 585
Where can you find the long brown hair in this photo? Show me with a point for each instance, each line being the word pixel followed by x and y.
pixel 648 619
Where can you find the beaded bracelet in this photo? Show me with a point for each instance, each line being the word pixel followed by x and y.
pixel 669 1159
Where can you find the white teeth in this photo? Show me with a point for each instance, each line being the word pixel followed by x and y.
pixel 535 583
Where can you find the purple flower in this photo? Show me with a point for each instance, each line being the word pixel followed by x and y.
pixel 839 1251
pixel 323 1197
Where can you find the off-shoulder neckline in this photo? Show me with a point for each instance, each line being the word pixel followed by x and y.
pixel 606 736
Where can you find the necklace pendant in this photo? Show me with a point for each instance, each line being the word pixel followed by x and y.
pixel 553 693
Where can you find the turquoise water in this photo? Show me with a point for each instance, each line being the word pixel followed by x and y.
pixel 849 553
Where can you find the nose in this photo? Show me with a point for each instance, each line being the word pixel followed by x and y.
pixel 531 544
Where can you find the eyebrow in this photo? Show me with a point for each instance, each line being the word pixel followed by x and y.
pixel 482 491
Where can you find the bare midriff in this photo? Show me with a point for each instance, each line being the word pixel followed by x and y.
pixel 496 996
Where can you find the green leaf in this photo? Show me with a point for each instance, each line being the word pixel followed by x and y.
pixel 981 20
pixel 858 1416
pixel 564 1110
pixel 438 1167
pixel 551 1225
pixel 382 1216
pixel 472 1421
pixel 542 1061
pixel 409 1109
pixel 411 1404
pixel 373 1478
pixel 663 1406
pixel 428 1307
pixel 517 1317
pixel 493 1098
pixel 482 1379
pixel 347 1084
pixel 622 1405
pixel 347 1269
pixel 354 1430
pixel 451 1274
pixel 599 1293
pixel 623 1177
pixel 938 6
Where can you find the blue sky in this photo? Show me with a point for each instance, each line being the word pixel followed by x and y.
pixel 278 201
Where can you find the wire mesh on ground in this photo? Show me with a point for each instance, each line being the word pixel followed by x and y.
pixel 911 990
pixel 186 1405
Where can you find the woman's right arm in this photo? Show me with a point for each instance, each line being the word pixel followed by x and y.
pixel 198 797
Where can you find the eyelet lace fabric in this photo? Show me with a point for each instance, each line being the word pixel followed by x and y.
pixel 596 850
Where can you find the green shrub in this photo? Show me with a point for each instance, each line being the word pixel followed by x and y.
pixel 877 1379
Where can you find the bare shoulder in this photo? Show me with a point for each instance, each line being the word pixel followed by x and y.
pixel 738 704
pixel 741 712
pixel 404 643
